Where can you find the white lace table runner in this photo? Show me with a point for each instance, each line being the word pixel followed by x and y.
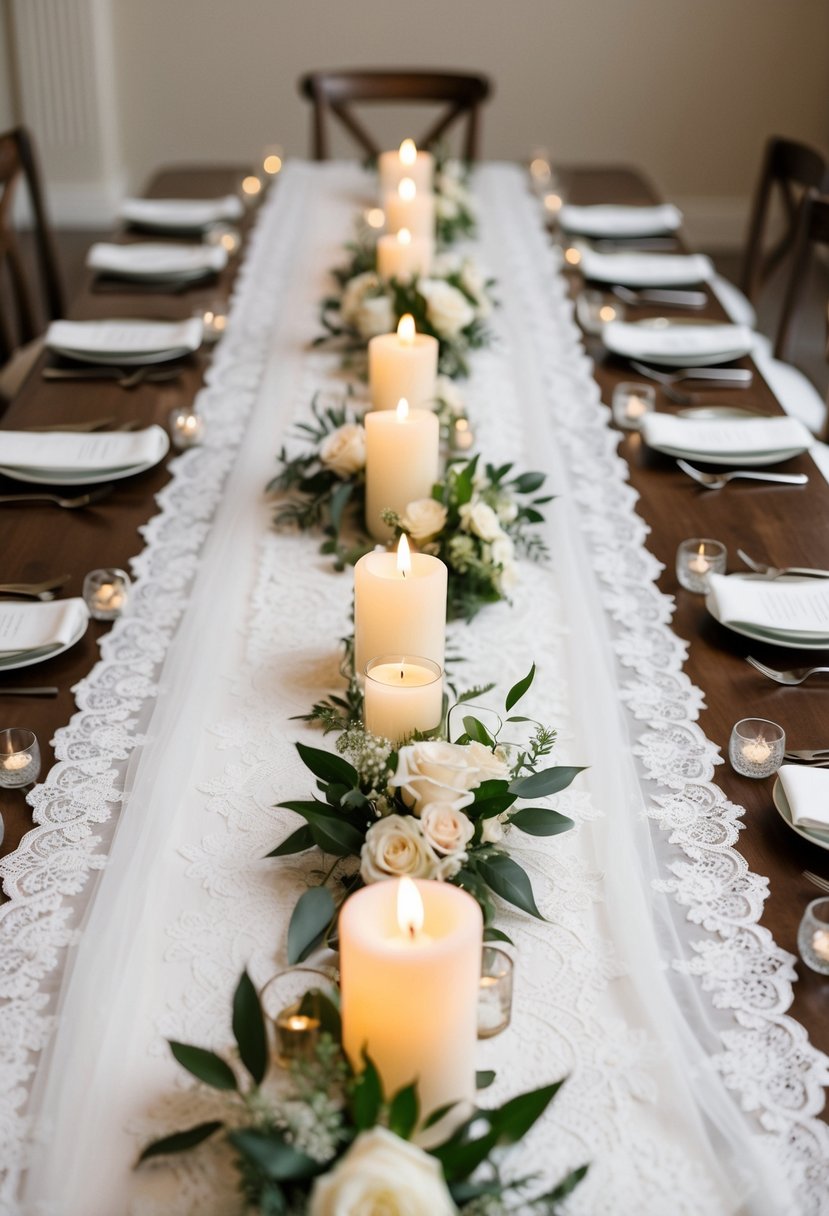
pixel 186 900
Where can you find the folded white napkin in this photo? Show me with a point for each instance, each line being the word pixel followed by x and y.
pixel 124 337
pixel 799 609
pixel 807 793
pixel 636 341
pixel 72 451
pixel 742 437
pixel 187 214
pixel 646 269
pixel 35 626
pixel 611 220
pixel 151 260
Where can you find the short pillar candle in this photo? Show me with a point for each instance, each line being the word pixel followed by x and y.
pixel 402 462
pixel 403 364
pixel 404 257
pixel 408 207
pixel 406 161
pixel 399 606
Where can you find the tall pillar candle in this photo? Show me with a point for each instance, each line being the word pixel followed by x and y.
pixel 399 606
pixel 406 162
pixel 403 694
pixel 403 257
pixel 408 207
pixel 402 462
pixel 409 990
pixel 403 364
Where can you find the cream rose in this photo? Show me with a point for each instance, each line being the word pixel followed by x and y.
pixel 447 830
pixel 344 450
pixel 382 1175
pixel 488 765
pixel 424 518
pixel 502 550
pixel 435 772
pixel 479 518
pixel 374 316
pixel 447 309
pixel 353 294
pixel 474 282
pixel 395 846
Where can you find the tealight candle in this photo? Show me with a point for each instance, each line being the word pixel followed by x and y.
pixel 272 161
pixel 696 559
pixel 403 364
pixel 631 402
pixel 251 187
pixel 462 437
pixel 19 758
pixel 226 236
pixel 410 958
pixel 407 161
pixel 186 428
pixel 214 320
pixel 403 694
pixel 407 207
pixel 402 462
pixel 297 1035
pixel 813 936
pixel 399 605
pixel 106 593
pixel 594 310
pixel 402 256
pixel 756 747
pixel 495 994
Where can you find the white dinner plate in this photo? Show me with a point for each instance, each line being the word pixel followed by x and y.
pixel 789 641
pixel 28 660
pixel 752 460
pixel 678 324
pixel 109 359
pixel 55 477
pixel 781 802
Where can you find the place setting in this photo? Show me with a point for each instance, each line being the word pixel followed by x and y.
pixel 167 266
pixel 80 458
pixel 127 351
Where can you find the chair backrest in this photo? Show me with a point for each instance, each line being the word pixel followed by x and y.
pixel 335 92
pixel 18 161
pixel 789 168
pixel 812 230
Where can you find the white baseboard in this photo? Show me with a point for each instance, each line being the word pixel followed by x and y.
pixel 715 222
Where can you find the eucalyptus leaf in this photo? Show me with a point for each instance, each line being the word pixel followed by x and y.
pixel 476 730
pixel 180 1142
pixel 328 766
pixel 526 483
pixel 249 1029
pixel 205 1065
pixel 310 918
pixel 547 781
pixel 518 690
pixel 540 821
pixel 297 842
pixel 506 878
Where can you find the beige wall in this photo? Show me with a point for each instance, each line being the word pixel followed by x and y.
pixel 7 107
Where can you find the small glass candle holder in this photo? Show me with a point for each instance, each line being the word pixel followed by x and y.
pixel 106 593
pixel 461 436
pixel 250 188
pixel 272 160
pixel 226 236
pixel 186 428
pixel 495 993
pixel 813 936
pixel 594 310
pixel 293 1002
pixel 756 747
pixel 696 559
pixel 19 758
pixel 631 402
pixel 214 320
pixel 403 695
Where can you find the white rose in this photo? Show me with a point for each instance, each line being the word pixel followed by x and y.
pixel 487 764
pixel 447 309
pixel 492 830
pixel 479 518
pixel 433 771
pixel 453 169
pixel 375 316
pixel 502 550
pixel 344 450
pixel 353 294
pixel 424 518
pixel 508 577
pixel 395 846
pixel 381 1173
pixel 446 263
pixel 474 282
pixel 507 510
pixel 450 395
pixel 447 830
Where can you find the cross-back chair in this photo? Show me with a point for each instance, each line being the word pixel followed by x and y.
pixel 812 231
pixel 332 94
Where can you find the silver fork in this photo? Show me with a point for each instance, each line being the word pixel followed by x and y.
pixel 773 572
pixel 69 504
pixel 721 377
pixel 792 675
pixel 821 883
pixel 716 481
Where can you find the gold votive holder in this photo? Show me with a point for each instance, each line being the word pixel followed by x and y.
pixel 292 1002
pixel 495 992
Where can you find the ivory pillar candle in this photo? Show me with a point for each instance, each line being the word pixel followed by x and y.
pixel 403 364
pixel 408 207
pixel 406 162
pixel 401 256
pixel 409 990
pixel 399 606
pixel 402 695
pixel 402 461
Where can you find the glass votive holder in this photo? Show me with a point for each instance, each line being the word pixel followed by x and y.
pixel 594 310
pixel 461 436
pixel 106 593
pixel 186 428
pixel 403 695
pixel 813 936
pixel 19 758
pixel 630 403
pixel 294 1001
pixel 495 992
pixel 696 559
pixel 214 320
pixel 756 747
pixel 226 236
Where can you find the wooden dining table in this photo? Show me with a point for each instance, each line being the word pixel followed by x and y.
pixel 783 525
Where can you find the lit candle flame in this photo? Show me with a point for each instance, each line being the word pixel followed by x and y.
pixel 402 409
pixel 409 908
pixel 407 189
pixel 408 152
pixel 404 237
pixel 404 557
pixel 406 329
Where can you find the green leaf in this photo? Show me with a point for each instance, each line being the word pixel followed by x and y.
pixel 331 831
pixel 465 482
pixel 309 920
pixel 437 1115
pixel 277 1160
pixel 476 730
pixel 514 1119
pixel 460 1159
pixel 316 1004
pixel 404 1112
pixel 297 842
pixel 249 1029
pixel 540 821
pixel 339 498
pixel 484 1079
pixel 271 1200
pixel 179 1142
pixel 528 482
pixel 485 808
pixel 472 694
pixel 506 878
pixel 548 781
pixel 366 1096
pixel 565 1187
pixel 491 934
pixel 328 766
pixel 517 691
pixel 205 1065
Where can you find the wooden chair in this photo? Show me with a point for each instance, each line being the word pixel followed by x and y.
pixel 333 93
pixel 812 230
pixel 21 321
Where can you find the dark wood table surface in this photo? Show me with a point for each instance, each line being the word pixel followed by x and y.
pixel 783 525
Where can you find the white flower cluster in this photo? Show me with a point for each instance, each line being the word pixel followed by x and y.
pixel 453 196
pixel 487 523
pixel 437 780
pixel 367 308
pixel 369 755
pixel 313 1125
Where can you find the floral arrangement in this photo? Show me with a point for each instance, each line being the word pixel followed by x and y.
pixel 454 205
pixel 430 809
pixel 322 1138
